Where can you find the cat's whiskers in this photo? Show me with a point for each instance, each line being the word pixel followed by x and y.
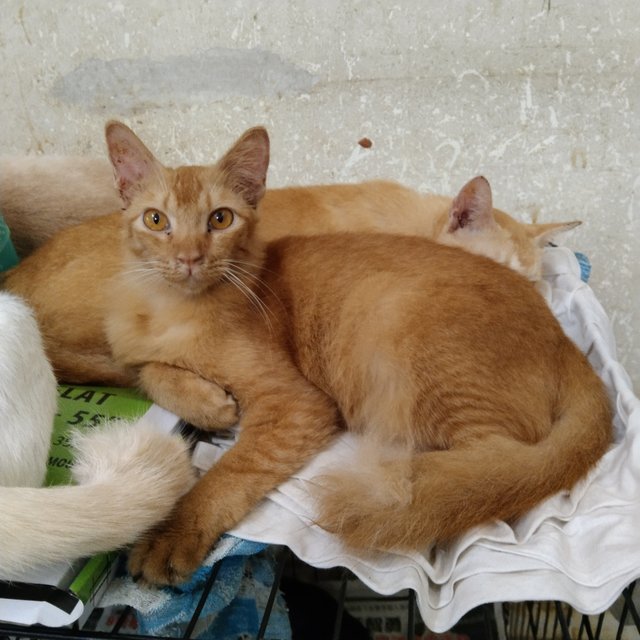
pixel 248 263
pixel 254 277
pixel 253 298
pixel 237 281
pixel 144 272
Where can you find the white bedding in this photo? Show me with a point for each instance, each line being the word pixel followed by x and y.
pixel 581 547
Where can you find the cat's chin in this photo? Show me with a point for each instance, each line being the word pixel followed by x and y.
pixel 194 288
pixel 190 286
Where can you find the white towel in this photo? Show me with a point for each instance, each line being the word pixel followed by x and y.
pixel 581 547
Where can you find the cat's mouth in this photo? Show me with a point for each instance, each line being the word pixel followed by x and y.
pixel 193 278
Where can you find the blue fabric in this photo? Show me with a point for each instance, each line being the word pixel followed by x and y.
pixel 585 266
pixel 235 604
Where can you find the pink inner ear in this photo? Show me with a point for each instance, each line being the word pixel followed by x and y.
pixel 129 170
pixel 131 162
pixel 458 217
pixel 246 164
pixel 472 207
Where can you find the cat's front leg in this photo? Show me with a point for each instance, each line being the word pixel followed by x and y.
pixel 199 401
pixel 279 435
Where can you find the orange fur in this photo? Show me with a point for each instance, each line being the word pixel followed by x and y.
pixel 446 357
pixel 488 426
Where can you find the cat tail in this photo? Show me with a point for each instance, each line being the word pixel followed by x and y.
pixel 41 195
pixel 409 500
pixel 129 476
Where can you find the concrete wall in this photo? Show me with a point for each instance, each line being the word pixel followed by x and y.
pixel 541 96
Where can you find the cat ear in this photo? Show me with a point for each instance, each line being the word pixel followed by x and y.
pixel 472 207
pixel 133 164
pixel 545 233
pixel 245 165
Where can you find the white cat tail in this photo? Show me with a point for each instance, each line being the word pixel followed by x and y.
pixel 130 475
pixel 28 396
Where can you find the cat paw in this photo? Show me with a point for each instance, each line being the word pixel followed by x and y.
pixel 228 413
pixel 169 555
pixel 219 412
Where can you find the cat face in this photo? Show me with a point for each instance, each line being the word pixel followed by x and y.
pixel 189 227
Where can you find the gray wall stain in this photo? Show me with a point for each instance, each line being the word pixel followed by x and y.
pixel 126 85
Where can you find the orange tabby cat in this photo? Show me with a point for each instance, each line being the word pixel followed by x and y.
pixel 448 364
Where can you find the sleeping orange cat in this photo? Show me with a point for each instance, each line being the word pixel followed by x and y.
pixel 450 366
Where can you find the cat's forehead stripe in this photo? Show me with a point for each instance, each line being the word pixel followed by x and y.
pixel 187 186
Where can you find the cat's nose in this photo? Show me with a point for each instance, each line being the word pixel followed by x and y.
pixel 190 260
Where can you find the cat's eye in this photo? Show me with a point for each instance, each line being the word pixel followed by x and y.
pixel 220 219
pixel 155 220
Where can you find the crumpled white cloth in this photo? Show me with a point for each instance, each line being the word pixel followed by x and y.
pixel 581 547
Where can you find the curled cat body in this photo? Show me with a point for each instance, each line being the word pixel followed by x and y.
pixel 130 476
pixel 450 366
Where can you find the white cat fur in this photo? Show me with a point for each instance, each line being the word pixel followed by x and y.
pixel 129 475
pixel 28 396
pixel 130 478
